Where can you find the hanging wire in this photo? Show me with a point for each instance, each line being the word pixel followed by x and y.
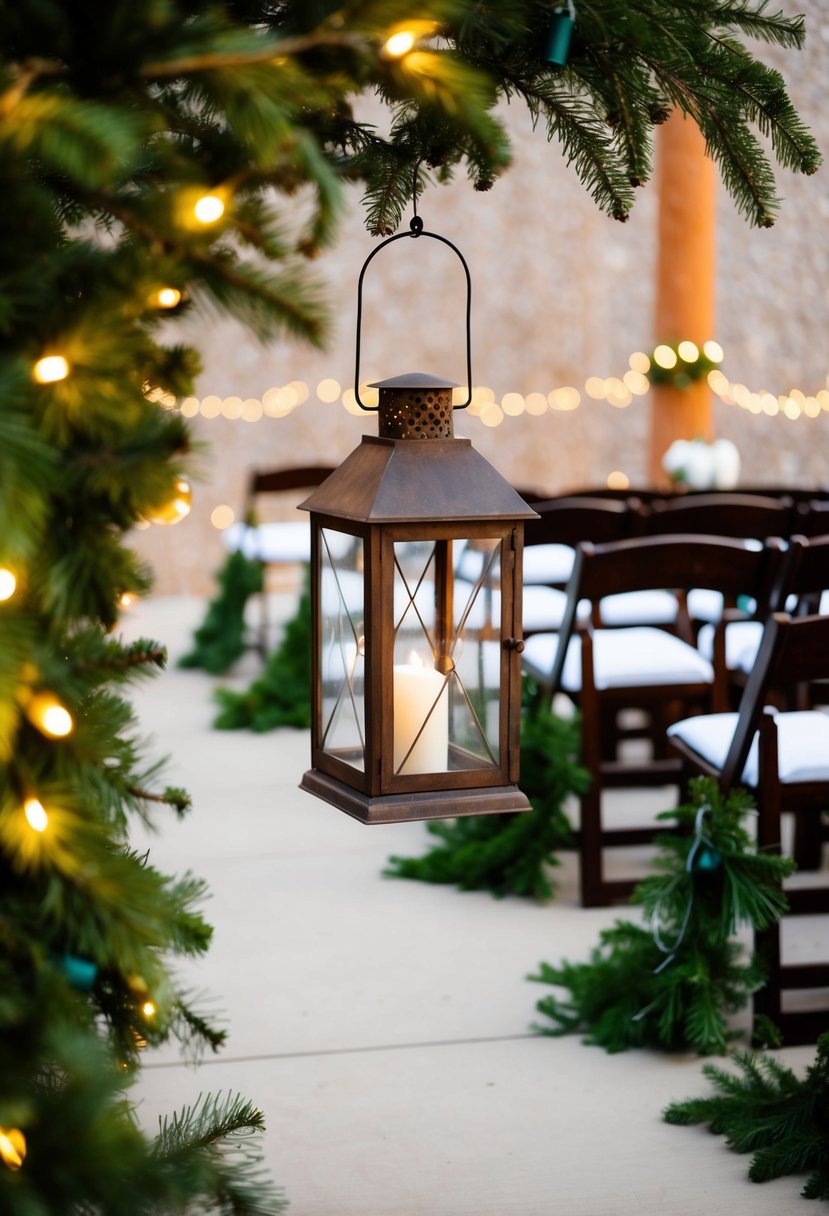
pixel 416 229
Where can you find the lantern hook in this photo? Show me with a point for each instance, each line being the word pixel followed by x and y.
pixel 416 229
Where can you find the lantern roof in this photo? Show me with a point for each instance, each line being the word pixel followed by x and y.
pixel 414 380
pixel 410 481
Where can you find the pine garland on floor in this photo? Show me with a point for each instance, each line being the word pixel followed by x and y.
pixel 771 1113
pixel 220 640
pixel 281 696
pixel 509 854
pixel 672 982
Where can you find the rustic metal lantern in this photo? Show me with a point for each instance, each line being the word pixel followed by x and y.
pixel 416 546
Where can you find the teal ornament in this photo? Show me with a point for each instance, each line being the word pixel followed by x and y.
pixel 558 39
pixel 707 860
pixel 80 972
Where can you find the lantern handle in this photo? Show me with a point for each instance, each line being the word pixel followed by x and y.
pixel 416 229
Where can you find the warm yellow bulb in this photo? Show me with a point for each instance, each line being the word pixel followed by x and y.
pixel 617 480
pixel 124 600
pixel 50 368
pixel 209 208
pixel 8 584
pixel 222 517
pixel 713 351
pixel 689 351
pixel 167 297
pixel 639 362
pixel 399 44
pixel 328 390
pixel 665 357
pixel 36 816
pixel 12 1147
pixel 149 1009
pixel 49 716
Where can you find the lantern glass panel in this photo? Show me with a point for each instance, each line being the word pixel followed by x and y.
pixel 342 647
pixel 447 655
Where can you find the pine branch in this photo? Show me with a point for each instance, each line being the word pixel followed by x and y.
pixel 268 53
pixel 766 1110
pixel 673 982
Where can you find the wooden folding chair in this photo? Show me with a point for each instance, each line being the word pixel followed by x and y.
pixel 550 543
pixel 276 543
pixel 718 513
pixel 605 671
pixel 783 756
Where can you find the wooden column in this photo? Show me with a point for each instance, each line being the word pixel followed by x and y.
pixel 686 180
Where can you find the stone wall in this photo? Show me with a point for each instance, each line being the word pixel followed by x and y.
pixel 561 293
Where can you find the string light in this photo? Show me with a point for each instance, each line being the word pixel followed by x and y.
pixel 664 356
pixel 8 584
pixel 124 600
pixel 12 1147
pixel 166 297
pixel 403 39
pixel 399 44
pixel 36 816
pixel 149 1009
pixel 50 717
pixel 222 517
pixel 619 392
pixel 50 369
pixel 209 208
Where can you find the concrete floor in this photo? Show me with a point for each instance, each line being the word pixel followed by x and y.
pixel 384 1026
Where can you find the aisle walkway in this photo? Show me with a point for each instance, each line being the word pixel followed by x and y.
pixel 385 1026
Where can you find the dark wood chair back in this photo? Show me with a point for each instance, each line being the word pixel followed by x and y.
pixel 794 650
pixel 804 573
pixel 279 481
pixel 679 563
pixel 750 516
pixel 567 521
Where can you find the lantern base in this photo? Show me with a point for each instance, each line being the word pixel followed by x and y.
pixel 408 808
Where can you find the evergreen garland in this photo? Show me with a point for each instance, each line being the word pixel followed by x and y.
pixel 768 1111
pixel 672 983
pixel 220 639
pixel 510 854
pixel 281 696
pixel 684 371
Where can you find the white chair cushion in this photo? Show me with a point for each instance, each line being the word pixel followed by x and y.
pixel 623 658
pixel 802 743
pixel 285 542
pixel 543 608
pixel 639 608
pixel 549 563
pixel 742 641
pixel 705 605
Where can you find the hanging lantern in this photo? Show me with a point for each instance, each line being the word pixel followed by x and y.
pixel 416 598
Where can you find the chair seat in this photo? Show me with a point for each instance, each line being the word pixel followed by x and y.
pixel 543 608
pixel 802 743
pixel 742 642
pixel 274 542
pixel 549 563
pixel 652 607
pixel 623 658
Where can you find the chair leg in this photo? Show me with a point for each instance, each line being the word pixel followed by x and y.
pixel 590 846
pixel 768 1000
pixel 808 840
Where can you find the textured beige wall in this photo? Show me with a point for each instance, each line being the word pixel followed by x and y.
pixel 560 293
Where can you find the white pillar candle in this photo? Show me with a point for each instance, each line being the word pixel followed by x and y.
pixel 416 690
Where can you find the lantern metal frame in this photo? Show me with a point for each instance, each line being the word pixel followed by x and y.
pixel 416 482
